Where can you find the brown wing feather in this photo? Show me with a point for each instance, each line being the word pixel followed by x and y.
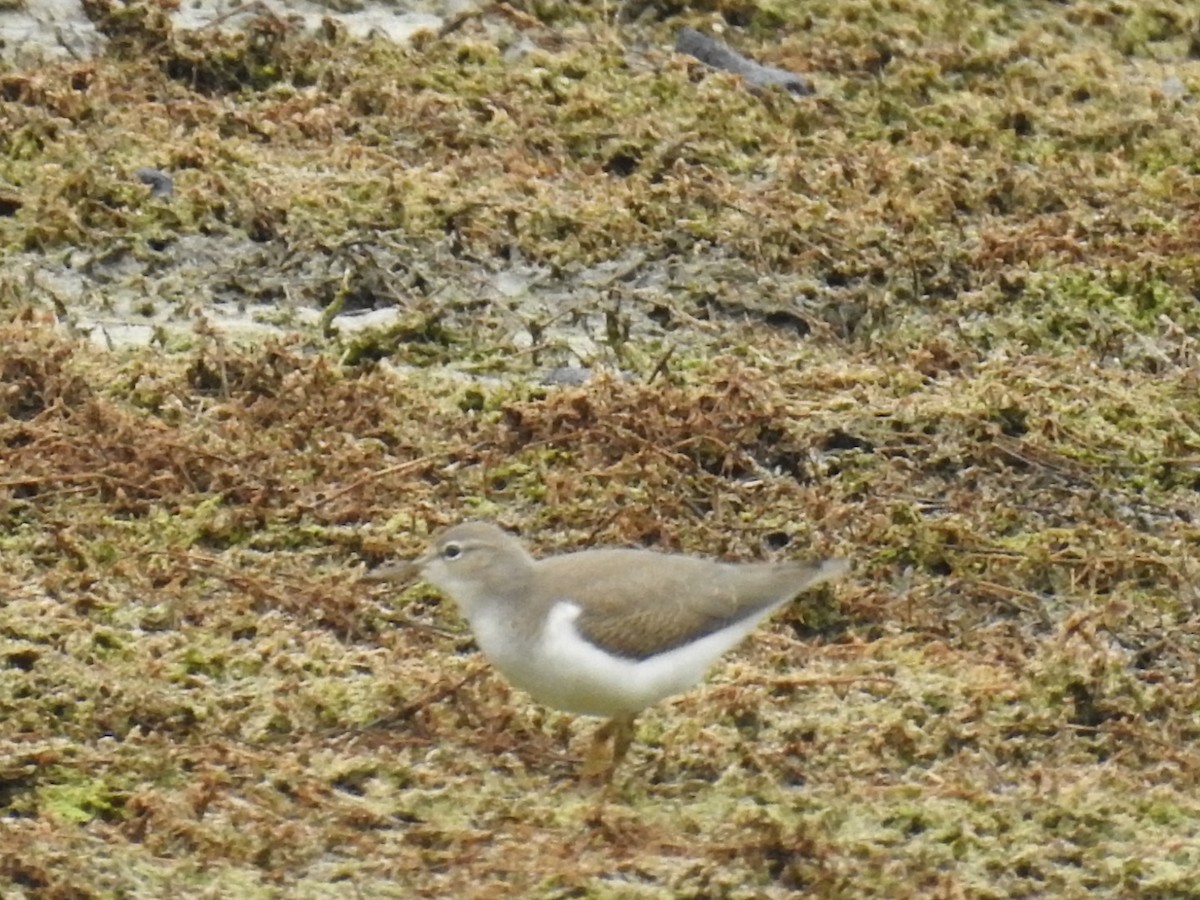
pixel 638 603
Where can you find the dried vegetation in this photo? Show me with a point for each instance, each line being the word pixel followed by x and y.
pixel 941 317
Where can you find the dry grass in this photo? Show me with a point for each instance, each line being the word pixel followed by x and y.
pixel 939 318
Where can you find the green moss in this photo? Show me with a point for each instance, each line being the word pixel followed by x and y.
pixel 938 318
pixel 80 802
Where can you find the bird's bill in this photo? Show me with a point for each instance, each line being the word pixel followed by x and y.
pixel 405 570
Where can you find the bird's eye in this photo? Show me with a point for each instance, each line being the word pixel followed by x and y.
pixel 452 551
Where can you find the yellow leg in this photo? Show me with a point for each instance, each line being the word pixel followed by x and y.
pixel 622 735
pixel 620 730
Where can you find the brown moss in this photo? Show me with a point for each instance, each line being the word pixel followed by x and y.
pixel 938 318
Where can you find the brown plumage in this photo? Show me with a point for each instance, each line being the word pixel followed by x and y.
pixel 636 607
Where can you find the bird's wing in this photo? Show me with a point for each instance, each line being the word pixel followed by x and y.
pixel 637 604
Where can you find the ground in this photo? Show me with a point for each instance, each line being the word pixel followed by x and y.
pixel 938 317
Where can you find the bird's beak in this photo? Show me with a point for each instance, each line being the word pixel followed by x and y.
pixel 405 570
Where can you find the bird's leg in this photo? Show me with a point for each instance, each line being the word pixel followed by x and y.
pixel 622 735
pixel 620 729
pixel 595 763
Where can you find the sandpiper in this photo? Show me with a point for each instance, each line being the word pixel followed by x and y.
pixel 603 632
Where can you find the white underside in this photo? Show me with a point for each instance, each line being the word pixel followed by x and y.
pixel 566 672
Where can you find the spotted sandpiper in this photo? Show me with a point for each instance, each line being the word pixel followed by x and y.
pixel 603 632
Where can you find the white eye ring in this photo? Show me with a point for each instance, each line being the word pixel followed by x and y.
pixel 452 551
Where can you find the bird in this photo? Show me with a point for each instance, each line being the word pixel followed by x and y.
pixel 602 632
